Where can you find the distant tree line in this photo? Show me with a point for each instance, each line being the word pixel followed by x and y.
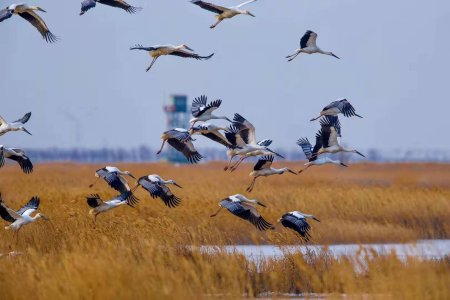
pixel 147 154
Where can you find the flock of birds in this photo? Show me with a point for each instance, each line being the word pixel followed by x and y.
pixel 239 137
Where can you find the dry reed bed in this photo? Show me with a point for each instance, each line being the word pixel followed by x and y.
pixel 138 253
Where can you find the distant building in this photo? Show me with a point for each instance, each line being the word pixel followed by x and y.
pixel 177 116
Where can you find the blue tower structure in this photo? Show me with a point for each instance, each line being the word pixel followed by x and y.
pixel 177 116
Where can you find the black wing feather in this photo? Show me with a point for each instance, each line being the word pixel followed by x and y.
pixel 32 204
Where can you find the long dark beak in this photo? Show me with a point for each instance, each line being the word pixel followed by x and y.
pixel 189 48
pixel 277 154
pixel 357 152
pixel 344 165
pixel 131 175
pixel 40 9
pixel 262 204
pixel 24 129
pixel 335 56
pixel 250 14
pixel 289 170
pixel 229 120
pixel 358 116
pixel 176 184
pixel 314 218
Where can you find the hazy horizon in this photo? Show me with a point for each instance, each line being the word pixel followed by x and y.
pixel 89 91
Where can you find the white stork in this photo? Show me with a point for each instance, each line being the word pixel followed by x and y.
pixel 17 155
pixel 328 139
pixel 308 46
pixel 22 216
pixel 180 139
pixel 27 12
pixel 265 143
pixel 341 106
pixel 212 132
pixel 99 206
pixel 264 168
pixel 202 112
pixel 113 176
pixel 157 187
pixel 242 134
pixel 159 50
pixel 224 12
pixel 297 221
pixel 311 154
pixel 242 207
pixel 17 125
pixel 88 4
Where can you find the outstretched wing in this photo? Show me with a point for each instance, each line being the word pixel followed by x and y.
pixel 187 148
pixel 121 4
pixel 248 213
pixel 87 5
pixel 162 191
pixel 334 121
pixel 246 129
pixel 5 14
pixel 94 200
pixel 30 207
pixel 39 24
pixel 114 180
pixel 264 163
pixel 199 105
pixel 218 137
pixel 209 6
pixel 308 39
pixel 299 225
pixel 24 163
pixel 183 53
pixel 4 212
pixel 24 119
pixel 306 147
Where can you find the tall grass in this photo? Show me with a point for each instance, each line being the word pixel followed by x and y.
pixel 141 253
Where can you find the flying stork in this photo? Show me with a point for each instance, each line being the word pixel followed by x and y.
pixel 328 139
pixel 341 106
pixel 265 143
pixel 113 176
pixel 157 187
pixel 242 134
pixel 201 111
pixel 212 132
pixel 242 207
pixel 264 168
pixel 311 154
pixel 180 139
pixel 27 12
pixel 22 216
pixel 223 12
pixel 88 4
pixel 159 50
pixel 17 125
pixel 297 221
pixel 308 45
pixel 17 155
pixel 100 206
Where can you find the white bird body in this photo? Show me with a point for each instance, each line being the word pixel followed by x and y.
pixel 263 168
pixel 160 50
pixel 308 46
pixel 100 206
pixel 22 217
pixel 17 125
pixel 323 161
pixel 203 111
pixel 22 220
pixel 224 12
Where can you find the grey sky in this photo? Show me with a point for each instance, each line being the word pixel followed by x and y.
pixel 89 90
